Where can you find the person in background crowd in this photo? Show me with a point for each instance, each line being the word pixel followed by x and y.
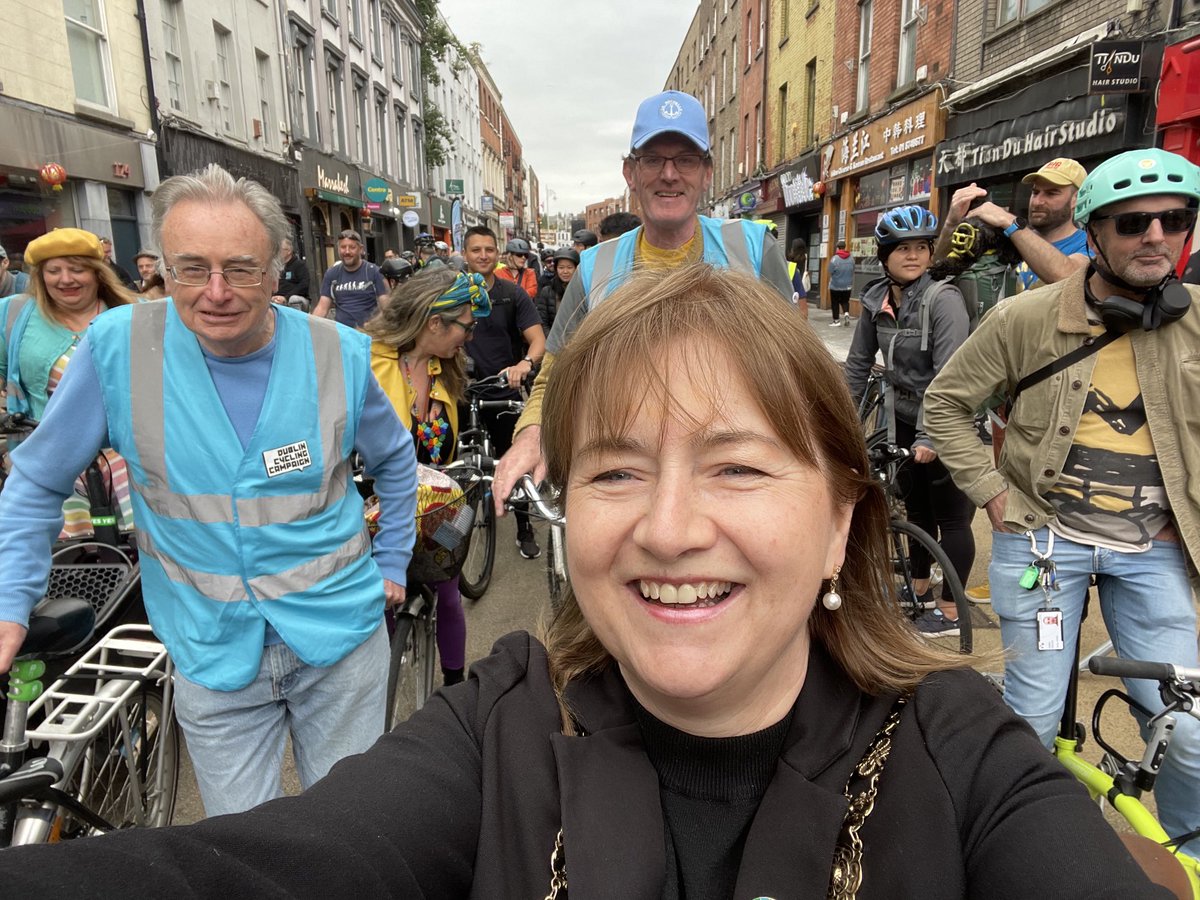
pixel 918 324
pixel 428 256
pixel 516 268
pixel 417 358
pixel 1050 244
pixel 389 253
pixel 583 239
pixel 616 224
pixel 1191 272
pixel 442 249
pixel 563 270
pixel 257 571
pixel 547 273
pixel 1099 465
pixel 154 288
pixel 147 266
pixel 11 280
pixel 798 272
pixel 293 279
pixel 396 271
pixel 841 280
pixel 106 245
pixel 352 286
pixel 69 286
pixel 510 340
pixel 668 169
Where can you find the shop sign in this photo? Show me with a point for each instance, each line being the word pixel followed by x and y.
pixel 121 170
pixel 1081 127
pixel 910 129
pixel 334 184
pixel 440 212
pixel 746 200
pixel 377 192
pixel 1116 67
pixel 408 200
pixel 454 186
pixel 411 218
pixel 487 203
pixel 796 184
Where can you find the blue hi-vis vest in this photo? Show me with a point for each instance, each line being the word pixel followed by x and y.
pixel 230 539
pixel 728 243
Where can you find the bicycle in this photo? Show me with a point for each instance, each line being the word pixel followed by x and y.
pixel 527 491
pixel 111 756
pixel 885 459
pixel 474 449
pixel 1119 781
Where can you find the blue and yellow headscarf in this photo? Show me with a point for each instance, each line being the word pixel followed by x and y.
pixel 466 289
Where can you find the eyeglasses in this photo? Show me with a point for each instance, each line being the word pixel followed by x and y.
pixel 235 276
pixel 467 327
pixel 685 163
pixel 1173 221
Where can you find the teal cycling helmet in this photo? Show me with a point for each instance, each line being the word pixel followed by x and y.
pixel 1137 173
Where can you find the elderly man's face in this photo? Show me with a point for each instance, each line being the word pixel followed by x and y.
pixel 229 321
pixel 145 267
pixel 669 197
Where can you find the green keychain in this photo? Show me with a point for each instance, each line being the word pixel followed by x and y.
pixel 1030 577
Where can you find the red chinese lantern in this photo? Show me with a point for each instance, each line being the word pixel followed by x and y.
pixel 819 189
pixel 53 175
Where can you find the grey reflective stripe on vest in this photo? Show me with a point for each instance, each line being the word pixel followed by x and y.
pixel 602 272
pixel 231 588
pixel 147 336
pixel 734 239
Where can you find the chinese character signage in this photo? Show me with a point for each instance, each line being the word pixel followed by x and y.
pixel 908 131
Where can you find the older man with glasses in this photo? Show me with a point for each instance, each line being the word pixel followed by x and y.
pixel 237 418
pixel 669 168
pixel 1097 481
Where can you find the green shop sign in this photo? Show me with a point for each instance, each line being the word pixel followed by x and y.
pixel 376 190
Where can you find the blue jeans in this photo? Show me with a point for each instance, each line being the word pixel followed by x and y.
pixel 1146 601
pixel 236 738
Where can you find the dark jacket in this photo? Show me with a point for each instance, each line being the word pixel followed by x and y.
pixel 466 798
pixel 294 280
pixel 547 300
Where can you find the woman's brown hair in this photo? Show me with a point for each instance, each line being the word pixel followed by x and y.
pixel 800 388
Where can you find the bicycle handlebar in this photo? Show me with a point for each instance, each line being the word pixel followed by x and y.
pixel 17 424
pixel 527 491
pixel 1136 668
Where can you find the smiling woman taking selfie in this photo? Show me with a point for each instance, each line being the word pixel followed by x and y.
pixel 727 670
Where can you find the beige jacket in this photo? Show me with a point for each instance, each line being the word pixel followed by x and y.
pixel 1027 332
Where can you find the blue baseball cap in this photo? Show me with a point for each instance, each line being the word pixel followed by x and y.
pixel 671 112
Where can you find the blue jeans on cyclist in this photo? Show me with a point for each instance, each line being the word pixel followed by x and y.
pixel 236 738
pixel 1146 601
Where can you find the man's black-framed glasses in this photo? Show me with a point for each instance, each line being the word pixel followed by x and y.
pixel 1173 221
pixel 235 276
pixel 685 163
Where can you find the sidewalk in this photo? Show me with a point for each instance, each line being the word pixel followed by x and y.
pixel 836 339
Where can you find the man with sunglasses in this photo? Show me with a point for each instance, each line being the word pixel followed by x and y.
pixel 669 168
pixel 1100 463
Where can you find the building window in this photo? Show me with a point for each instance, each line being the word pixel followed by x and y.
pixel 397 52
pixel 262 62
pixel 762 24
pixel 749 36
pixel 225 78
pixel 414 56
pixel 1010 10
pixel 401 143
pixel 724 77
pixel 864 55
pixel 732 154
pixel 354 14
pixel 906 69
pixel 87 40
pixel 308 123
pixel 810 102
pixel 759 136
pixel 381 130
pixel 418 173
pixel 337 104
pixel 376 28
pixel 362 147
pixel 782 118
pixel 330 8
pixel 733 69
pixel 785 20
pixel 173 53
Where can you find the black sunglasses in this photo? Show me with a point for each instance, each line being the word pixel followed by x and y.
pixel 1173 221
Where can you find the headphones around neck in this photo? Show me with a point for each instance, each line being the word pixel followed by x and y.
pixel 1166 302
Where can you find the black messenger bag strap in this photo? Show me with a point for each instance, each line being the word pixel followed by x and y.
pixel 1083 351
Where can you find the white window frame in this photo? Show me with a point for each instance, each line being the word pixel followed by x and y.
pixel 401 142
pixel 362 134
pixel 173 55
pixel 97 33
pixel 1013 10
pixel 866 24
pixel 906 59
pixel 381 130
pixel 266 106
pixel 226 72
pixel 335 81
pixel 355 19
pixel 307 102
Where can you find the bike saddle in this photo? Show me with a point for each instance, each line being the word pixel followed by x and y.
pixel 58 626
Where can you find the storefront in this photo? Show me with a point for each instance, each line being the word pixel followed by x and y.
pixel 876 167
pixel 104 177
pixel 440 218
pixel 384 229
pixel 334 196
pixel 799 212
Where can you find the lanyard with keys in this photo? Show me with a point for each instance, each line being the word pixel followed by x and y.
pixel 1041 573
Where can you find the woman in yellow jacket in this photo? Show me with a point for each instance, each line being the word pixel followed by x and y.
pixel 417 358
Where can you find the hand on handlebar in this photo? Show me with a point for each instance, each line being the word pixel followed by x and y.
pixel 12 636
pixel 393 594
pixel 524 457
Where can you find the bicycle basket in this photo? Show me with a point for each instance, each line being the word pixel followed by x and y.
pixel 445 518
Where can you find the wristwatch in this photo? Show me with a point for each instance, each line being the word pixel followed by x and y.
pixel 1017 224
pixel 529 359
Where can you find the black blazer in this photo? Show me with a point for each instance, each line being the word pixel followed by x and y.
pixel 466 798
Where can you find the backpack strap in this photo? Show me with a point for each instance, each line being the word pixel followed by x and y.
pixel 1083 351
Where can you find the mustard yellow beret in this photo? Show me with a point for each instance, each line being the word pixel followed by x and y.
pixel 63 242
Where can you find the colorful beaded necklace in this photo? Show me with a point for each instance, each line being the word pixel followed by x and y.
pixel 431 431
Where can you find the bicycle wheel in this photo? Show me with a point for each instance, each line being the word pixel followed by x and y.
pixel 131 782
pixel 411 667
pixel 904 535
pixel 476 572
pixel 556 566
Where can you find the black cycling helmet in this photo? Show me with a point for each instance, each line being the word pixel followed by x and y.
pixel 585 237
pixel 517 245
pixel 396 269
pixel 567 253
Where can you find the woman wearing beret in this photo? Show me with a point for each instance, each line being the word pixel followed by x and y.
pixel 69 285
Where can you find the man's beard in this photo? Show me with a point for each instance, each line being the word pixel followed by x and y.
pixel 1052 218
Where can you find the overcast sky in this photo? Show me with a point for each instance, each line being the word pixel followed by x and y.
pixel 571 75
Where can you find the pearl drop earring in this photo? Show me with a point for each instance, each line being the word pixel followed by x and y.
pixel 832 600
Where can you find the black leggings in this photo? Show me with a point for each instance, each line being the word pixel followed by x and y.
pixel 839 300
pixel 935 505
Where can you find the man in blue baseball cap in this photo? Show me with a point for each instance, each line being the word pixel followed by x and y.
pixel 668 169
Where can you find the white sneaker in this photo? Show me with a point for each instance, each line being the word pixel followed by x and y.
pixel 835 323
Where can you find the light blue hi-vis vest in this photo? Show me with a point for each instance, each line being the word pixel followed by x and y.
pixel 728 243
pixel 231 539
